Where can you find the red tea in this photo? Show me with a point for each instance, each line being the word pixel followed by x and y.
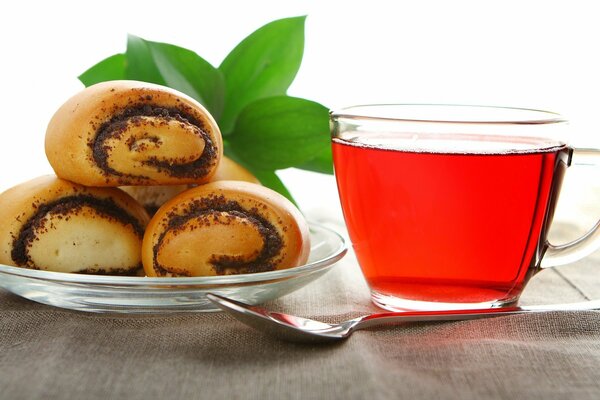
pixel 448 227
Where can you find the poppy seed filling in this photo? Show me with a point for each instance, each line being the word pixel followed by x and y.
pixel 266 258
pixel 119 124
pixel 64 207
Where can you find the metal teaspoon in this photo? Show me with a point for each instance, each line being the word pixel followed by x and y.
pixel 298 329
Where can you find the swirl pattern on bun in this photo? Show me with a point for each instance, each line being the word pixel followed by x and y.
pixel 225 227
pixel 133 133
pixel 52 224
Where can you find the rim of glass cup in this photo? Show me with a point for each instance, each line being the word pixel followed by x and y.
pixel 354 113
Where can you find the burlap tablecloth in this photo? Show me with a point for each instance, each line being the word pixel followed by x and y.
pixel 51 353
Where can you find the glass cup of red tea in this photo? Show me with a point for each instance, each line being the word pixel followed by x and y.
pixel 449 207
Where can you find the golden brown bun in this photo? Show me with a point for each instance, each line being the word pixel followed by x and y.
pixel 133 133
pixel 225 227
pixel 52 224
pixel 152 197
pixel 229 170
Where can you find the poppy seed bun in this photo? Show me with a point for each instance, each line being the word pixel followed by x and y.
pixel 52 224
pixel 225 227
pixel 133 133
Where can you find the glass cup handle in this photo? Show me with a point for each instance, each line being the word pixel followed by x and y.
pixel 588 243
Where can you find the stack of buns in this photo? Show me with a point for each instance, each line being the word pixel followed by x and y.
pixel 141 182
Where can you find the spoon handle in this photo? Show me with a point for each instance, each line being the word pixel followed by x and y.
pixel 372 320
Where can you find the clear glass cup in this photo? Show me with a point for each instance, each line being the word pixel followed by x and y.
pixel 449 206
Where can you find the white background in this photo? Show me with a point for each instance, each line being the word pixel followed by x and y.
pixel 536 54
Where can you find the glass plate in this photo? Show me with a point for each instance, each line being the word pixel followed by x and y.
pixel 137 295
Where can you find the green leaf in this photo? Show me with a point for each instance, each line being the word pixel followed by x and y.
pixel 322 163
pixel 272 181
pixel 109 69
pixel 280 132
pixel 262 65
pixel 140 66
pixel 186 71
